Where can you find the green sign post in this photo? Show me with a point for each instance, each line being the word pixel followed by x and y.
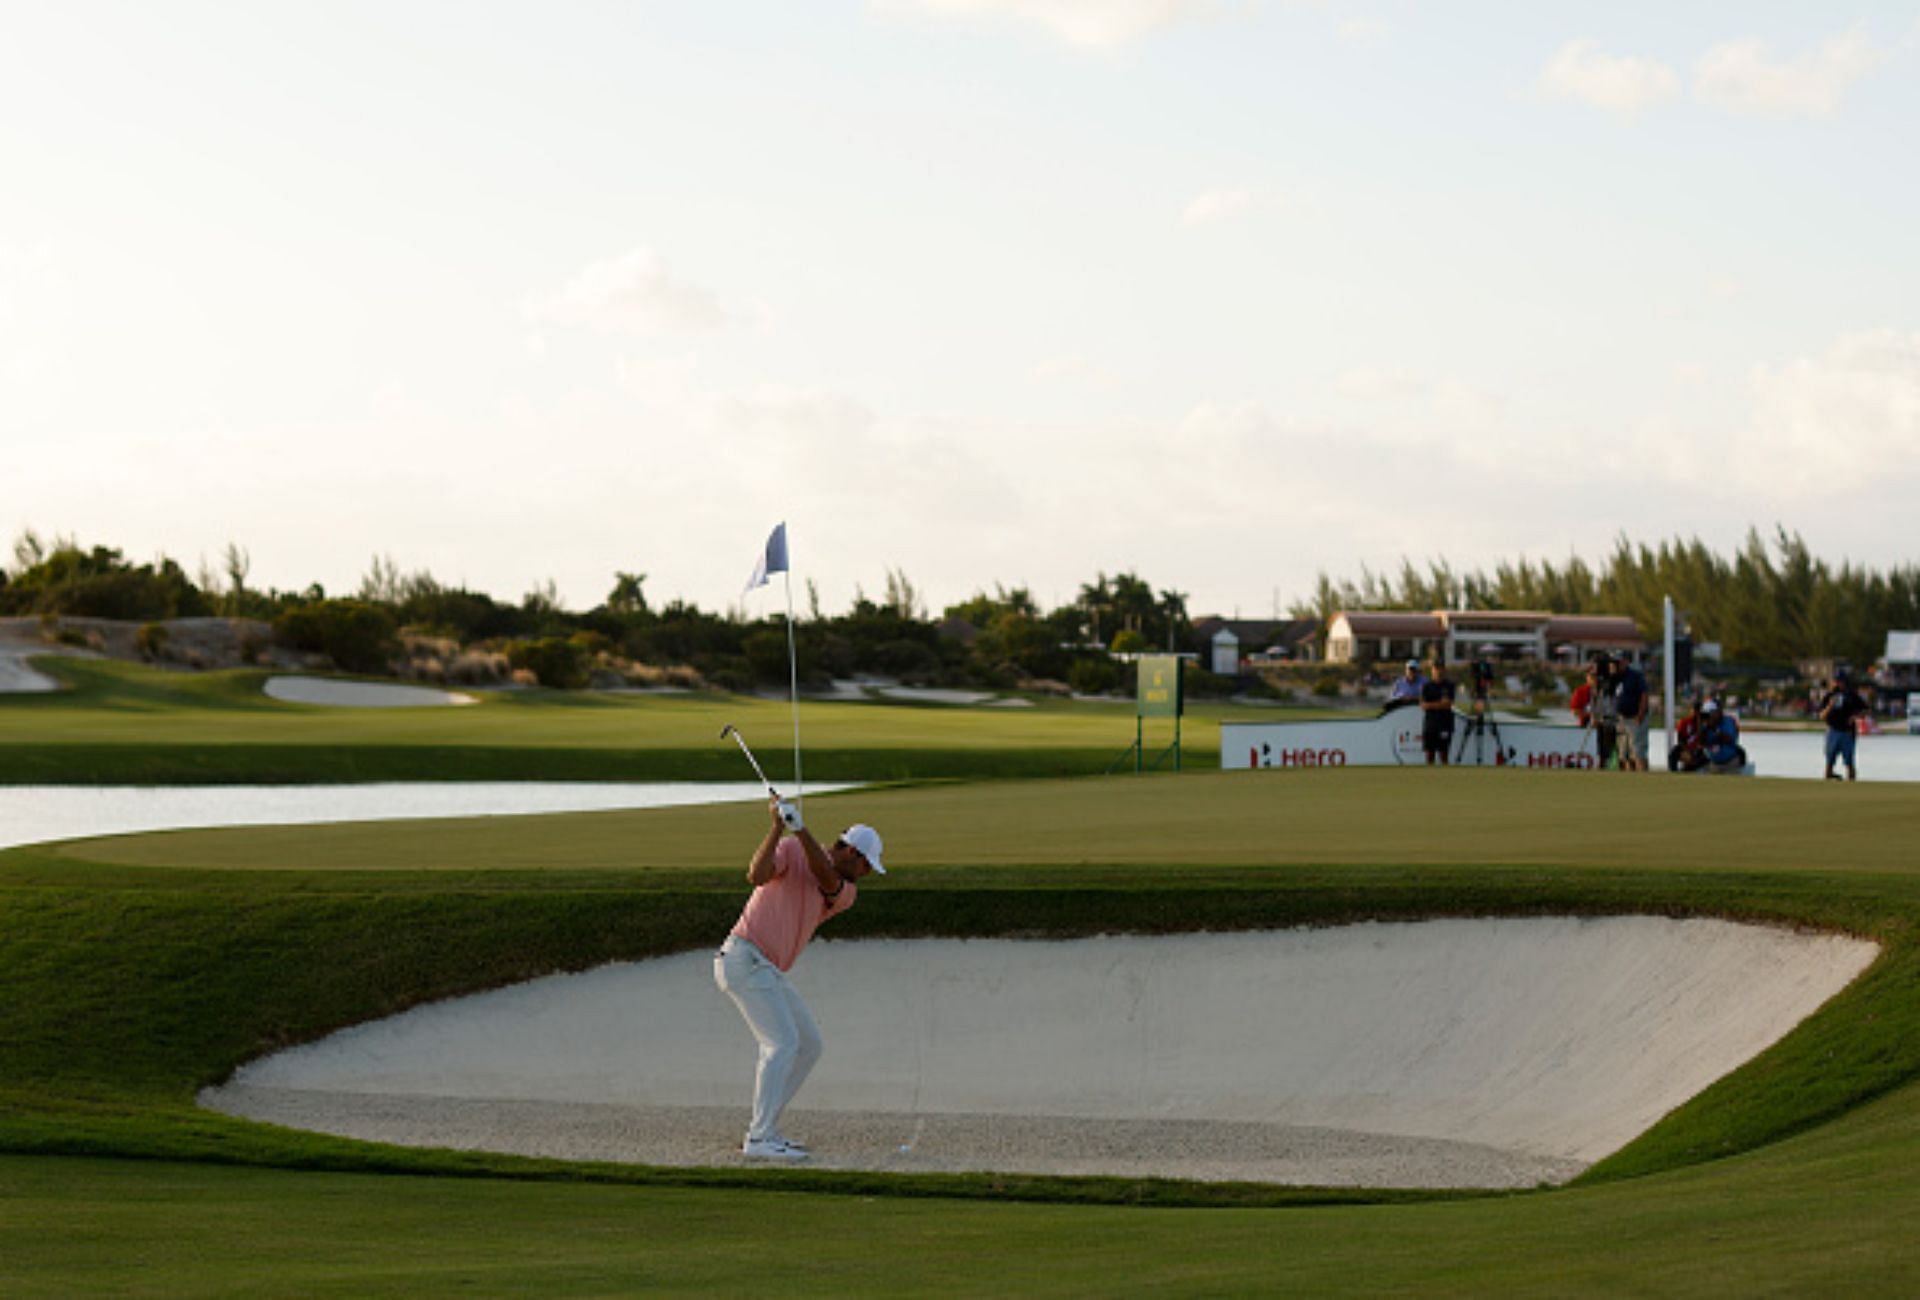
pixel 1159 696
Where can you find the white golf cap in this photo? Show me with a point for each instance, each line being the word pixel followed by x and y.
pixel 865 841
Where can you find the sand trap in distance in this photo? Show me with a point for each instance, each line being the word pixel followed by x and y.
pixel 17 675
pixel 1500 1052
pixel 360 695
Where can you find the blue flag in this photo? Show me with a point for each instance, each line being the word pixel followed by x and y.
pixel 773 560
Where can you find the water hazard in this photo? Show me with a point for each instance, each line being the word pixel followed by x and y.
pixel 31 814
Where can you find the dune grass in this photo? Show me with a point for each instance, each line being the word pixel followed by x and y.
pixel 141 967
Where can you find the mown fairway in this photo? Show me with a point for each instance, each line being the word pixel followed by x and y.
pixel 123 722
pixel 139 968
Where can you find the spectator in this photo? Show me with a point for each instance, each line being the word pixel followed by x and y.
pixel 1406 687
pixel 1436 707
pixel 1631 702
pixel 1839 709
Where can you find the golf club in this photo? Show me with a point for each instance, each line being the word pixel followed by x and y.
pixel 788 813
pixel 731 730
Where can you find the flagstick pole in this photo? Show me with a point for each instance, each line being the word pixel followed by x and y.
pixel 793 675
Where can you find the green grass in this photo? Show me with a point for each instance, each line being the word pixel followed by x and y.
pixel 128 723
pixel 138 968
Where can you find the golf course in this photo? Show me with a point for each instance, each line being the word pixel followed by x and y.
pixel 140 969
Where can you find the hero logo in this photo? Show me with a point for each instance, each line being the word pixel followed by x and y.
pixel 1268 756
pixel 1579 762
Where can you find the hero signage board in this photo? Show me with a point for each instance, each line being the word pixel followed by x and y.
pixel 1394 738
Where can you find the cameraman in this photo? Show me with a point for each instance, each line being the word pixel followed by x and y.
pixel 1602 716
pixel 1436 714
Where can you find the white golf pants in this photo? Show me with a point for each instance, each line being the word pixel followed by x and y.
pixel 789 1040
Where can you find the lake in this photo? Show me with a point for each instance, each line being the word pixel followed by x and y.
pixel 30 814
pixel 1802 755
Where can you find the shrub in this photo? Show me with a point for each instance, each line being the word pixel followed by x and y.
pixel 1327 684
pixel 1201 684
pixel 99 583
pixel 478 668
pixel 356 635
pixel 152 640
pixel 559 662
pixel 1129 642
pixel 1093 676
pixel 908 660
pixel 728 672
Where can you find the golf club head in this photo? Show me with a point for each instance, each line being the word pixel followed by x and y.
pixel 726 731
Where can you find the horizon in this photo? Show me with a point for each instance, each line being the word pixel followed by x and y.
pixel 1223 295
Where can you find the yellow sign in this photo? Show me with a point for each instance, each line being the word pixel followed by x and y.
pixel 1160 695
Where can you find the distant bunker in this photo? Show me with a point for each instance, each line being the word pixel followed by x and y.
pixel 1446 1053
pixel 359 695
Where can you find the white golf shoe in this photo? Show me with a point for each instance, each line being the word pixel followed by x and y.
pixel 772 1148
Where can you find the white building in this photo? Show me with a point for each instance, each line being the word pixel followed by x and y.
pixel 1461 635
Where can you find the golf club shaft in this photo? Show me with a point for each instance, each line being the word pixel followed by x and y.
pixel 741 741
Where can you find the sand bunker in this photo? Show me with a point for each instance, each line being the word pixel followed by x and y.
pixel 1493 1053
pixel 17 675
pixel 359 695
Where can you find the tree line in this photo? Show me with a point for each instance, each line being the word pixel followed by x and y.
pixel 1002 639
pixel 1772 601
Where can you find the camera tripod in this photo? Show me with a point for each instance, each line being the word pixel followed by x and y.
pixel 1479 724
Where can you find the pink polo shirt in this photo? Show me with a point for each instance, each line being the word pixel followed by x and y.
pixel 783 913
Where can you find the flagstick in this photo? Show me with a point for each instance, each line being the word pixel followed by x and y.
pixel 793 673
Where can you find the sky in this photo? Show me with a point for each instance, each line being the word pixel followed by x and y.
pixel 1226 293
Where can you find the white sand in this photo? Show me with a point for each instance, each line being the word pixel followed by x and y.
pixel 17 676
pixel 935 695
pixel 1447 1053
pixel 360 695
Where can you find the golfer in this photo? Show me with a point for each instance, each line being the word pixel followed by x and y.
pixel 796 885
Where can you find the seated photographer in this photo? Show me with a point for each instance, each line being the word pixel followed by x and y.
pixel 1689 751
pixel 1720 736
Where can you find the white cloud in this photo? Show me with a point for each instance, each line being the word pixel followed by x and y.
pixel 1616 84
pixel 634 291
pixel 1851 412
pixel 1740 77
pixel 1212 206
pixel 1084 24
pixel 1840 430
